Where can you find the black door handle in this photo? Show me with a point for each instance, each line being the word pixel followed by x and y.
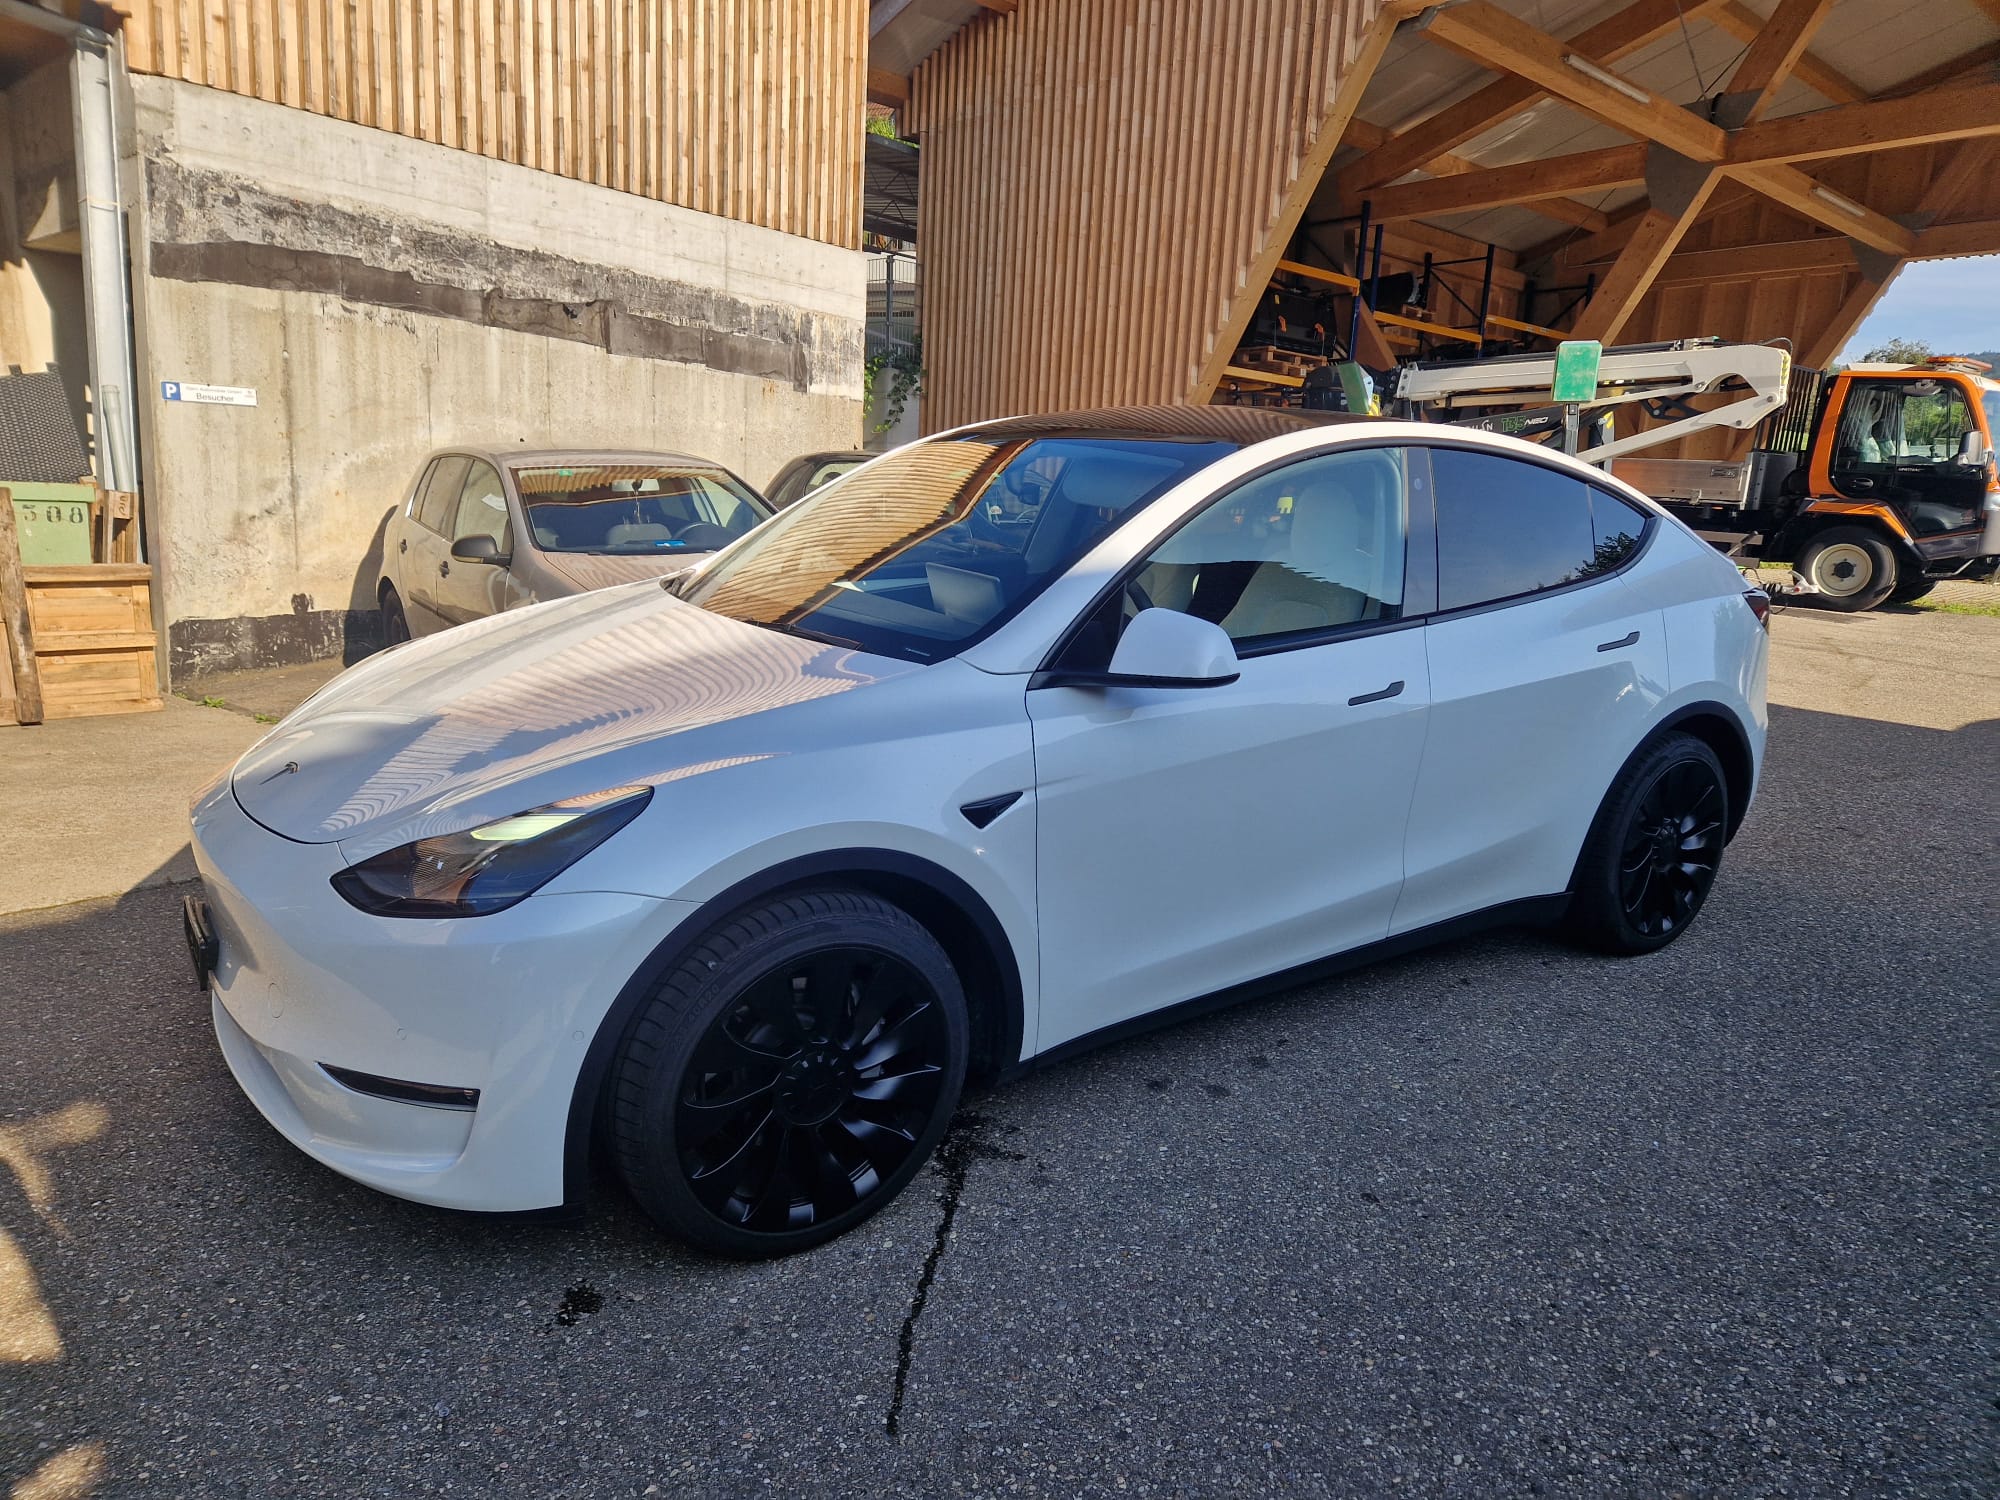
pixel 1857 484
pixel 1622 641
pixel 444 569
pixel 403 545
pixel 1376 697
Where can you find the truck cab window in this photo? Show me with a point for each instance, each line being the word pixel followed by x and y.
pixel 1898 442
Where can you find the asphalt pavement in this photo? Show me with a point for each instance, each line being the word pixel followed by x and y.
pixel 1498 1219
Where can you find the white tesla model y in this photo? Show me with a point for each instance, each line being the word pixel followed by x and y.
pixel 1005 742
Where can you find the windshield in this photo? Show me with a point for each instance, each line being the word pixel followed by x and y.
pixel 1904 422
pixel 635 509
pixel 933 547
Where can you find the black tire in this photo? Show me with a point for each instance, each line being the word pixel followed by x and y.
pixel 1911 586
pixel 1653 849
pixel 1853 568
pixel 750 1121
pixel 395 623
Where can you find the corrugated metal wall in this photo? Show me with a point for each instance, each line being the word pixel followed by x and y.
pixel 751 109
pixel 1106 182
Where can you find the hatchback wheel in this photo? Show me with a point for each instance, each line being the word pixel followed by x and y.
pixel 395 624
pixel 1653 851
pixel 791 1076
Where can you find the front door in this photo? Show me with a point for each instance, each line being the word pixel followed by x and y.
pixel 1898 443
pixel 420 568
pixel 1192 839
pixel 474 590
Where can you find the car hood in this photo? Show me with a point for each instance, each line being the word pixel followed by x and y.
pixel 525 708
pixel 596 570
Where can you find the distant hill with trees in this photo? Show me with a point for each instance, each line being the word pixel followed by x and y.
pixel 1912 351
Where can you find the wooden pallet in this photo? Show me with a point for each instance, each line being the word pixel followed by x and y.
pixel 1270 359
pixel 94 647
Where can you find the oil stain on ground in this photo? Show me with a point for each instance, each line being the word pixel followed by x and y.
pixel 580 1301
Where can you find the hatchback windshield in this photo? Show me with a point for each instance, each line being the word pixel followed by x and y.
pixel 927 550
pixel 635 509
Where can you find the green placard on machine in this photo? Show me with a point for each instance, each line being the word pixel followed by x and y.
pixel 1576 371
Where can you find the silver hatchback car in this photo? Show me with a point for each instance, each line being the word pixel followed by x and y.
pixel 484 530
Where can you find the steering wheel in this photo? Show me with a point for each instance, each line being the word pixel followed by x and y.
pixel 1138 594
pixel 705 536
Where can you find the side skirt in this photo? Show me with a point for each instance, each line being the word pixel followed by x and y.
pixel 1531 911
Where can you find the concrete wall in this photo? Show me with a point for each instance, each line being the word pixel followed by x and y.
pixel 385 296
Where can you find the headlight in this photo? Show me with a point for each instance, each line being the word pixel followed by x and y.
pixel 489 868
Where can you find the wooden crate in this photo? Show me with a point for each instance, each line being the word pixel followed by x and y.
pixel 94 641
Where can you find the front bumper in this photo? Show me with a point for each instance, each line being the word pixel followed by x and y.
pixel 505 1004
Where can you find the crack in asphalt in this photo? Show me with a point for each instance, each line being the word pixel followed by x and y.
pixel 964 1141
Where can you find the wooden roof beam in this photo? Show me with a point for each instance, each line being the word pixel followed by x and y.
pixel 1823 205
pixel 1774 51
pixel 1524 183
pixel 1677 190
pixel 889 89
pixel 1949 71
pixel 1481 31
pixel 1364 135
pixel 1678 186
pixel 1941 114
pixel 1745 24
pixel 1973 237
pixel 1612 38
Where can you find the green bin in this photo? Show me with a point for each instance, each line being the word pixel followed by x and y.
pixel 53 522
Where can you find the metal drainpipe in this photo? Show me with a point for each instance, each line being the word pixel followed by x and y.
pixel 107 287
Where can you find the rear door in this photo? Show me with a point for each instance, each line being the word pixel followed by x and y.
pixel 1545 670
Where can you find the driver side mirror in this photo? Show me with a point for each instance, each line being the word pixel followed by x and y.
pixel 480 549
pixel 1162 648
pixel 1972 450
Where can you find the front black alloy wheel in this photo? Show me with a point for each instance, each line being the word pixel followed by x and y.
pixel 1654 849
pixel 791 1077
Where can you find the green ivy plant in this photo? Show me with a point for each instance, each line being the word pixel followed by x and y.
pixel 903 370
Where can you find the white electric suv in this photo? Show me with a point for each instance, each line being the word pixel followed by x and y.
pixel 996 746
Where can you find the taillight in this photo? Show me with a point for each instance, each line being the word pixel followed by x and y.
pixel 1760 605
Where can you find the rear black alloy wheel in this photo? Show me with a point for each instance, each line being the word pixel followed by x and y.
pixel 1671 849
pixel 792 1076
pixel 1654 849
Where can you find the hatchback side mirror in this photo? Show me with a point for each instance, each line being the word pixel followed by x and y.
pixel 1162 648
pixel 480 549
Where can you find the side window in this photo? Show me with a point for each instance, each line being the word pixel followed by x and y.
pixel 447 478
pixel 482 507
pixel 1616 526
pixel 1310 547
pixel 1508 528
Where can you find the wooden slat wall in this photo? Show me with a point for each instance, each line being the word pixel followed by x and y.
pixel 1101 179
pixel 751 109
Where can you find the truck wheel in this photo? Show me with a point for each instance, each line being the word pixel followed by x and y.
pixel 1910 586
pixel 1851 566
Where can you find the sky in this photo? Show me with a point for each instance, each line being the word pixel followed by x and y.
pixel 1952 305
